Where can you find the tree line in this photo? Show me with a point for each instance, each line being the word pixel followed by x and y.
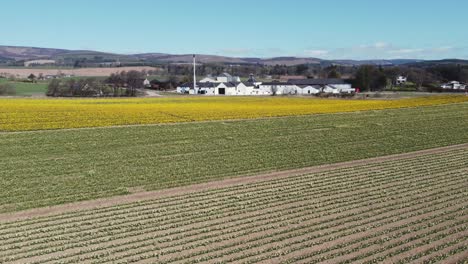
pixel 116 85
pixel 365 77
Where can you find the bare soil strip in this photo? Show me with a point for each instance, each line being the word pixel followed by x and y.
pixel 144 196
pixel 83 72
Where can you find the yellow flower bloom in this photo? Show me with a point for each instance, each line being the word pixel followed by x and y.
pixel 43 114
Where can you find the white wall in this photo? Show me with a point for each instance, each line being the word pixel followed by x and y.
pixel 242 89
pixel 281 89
pixel 208 91
pixel 331 90
pixel 228 90
pixel 182 89
pixel 308 90
pixel 342 86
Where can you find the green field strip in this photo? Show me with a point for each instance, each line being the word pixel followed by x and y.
pixel 90 164
pixel 41 231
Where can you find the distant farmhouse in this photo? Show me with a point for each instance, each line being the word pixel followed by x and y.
pixel 226 84
pixel 400 80
pixel 454 85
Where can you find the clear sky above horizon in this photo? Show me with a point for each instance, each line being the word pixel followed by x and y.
pixel 330 29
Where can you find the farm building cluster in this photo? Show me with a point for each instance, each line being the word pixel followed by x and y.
pixel 226 84
pixel 454 85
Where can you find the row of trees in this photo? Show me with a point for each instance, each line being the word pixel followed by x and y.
pixel 366 77
pixel 119 84
pixel 132 80
pixel 369 78
pixel 373 78
pixel 89 87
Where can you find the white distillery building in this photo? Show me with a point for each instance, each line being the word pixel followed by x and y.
pixel 292 87
pixel 314 86
pixel 223 78
pixel 224 88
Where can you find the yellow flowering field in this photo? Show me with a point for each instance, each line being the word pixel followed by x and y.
pixel 44 114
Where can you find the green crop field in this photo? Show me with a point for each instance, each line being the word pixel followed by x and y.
pixel 27 89
pixel 53 167
pixel 395 211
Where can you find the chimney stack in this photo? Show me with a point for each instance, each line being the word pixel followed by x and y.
pixel 194 74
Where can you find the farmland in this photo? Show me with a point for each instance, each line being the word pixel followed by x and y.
pixel 83 72
pixel 27 89
pixel 44 114
pixel 238 180
pixel 397 210
pixel 42 168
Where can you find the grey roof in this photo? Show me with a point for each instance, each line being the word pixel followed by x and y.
pixel 317 81
pixel 201 85
pixel 211 85
pixel 249 83
pixel 235 84
pixel 225 74
pixel 230 84
pixel 276 83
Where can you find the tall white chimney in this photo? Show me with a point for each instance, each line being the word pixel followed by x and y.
pixel 194 74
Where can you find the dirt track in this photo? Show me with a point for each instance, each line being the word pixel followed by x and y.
pixel 142 196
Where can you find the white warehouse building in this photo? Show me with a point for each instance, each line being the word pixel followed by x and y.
pixel 223 78
pixel 224 88
pixel 314 86
pixel 293 87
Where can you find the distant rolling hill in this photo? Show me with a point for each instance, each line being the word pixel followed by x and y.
pixel 13 53
pixel 26 53
pixel 431 63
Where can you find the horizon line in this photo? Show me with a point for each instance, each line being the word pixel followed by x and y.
pixel 228 56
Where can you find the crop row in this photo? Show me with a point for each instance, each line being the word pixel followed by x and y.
pixel 187 234
pixel 412 208
pixel 177 203
pixel 221 197
pixel 150 222
pixel 56 167
pixel 455 158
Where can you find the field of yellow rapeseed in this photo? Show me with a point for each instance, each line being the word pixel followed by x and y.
pixel 45 114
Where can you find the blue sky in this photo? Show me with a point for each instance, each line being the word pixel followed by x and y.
pixel 331 29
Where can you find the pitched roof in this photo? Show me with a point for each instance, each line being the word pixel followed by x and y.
pixel 225 74
pixel 316 81
pixel 230 84
pixel 201 85
pixel 211 85
pixel 276 83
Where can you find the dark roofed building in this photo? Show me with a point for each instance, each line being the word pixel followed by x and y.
pixel 276 83
pixel 200 85
pixel 316 81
